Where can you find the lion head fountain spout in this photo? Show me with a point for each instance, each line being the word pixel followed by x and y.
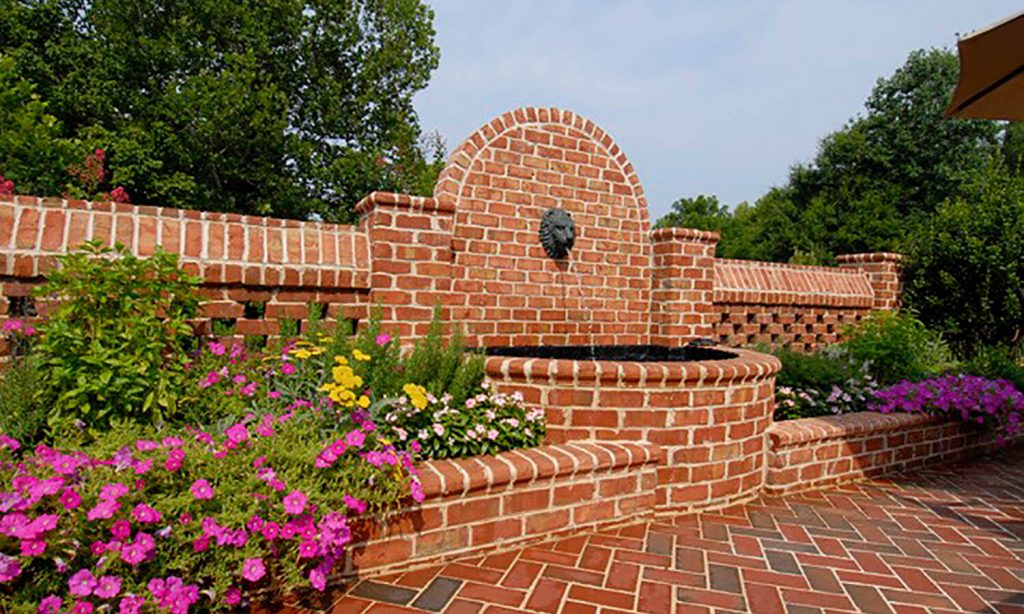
pixel 557 232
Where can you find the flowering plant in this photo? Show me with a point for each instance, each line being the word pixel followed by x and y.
pixel 847 397
pixel 178 520
pixel 486 423
pixel 994 404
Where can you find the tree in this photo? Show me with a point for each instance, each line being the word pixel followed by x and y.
pixel 255 106
pixel 965 269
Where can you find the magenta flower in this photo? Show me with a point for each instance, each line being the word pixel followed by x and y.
pixel 82 583
pixel 270 531
pixel 131 604
pixel 82 607
pixel 108 587
pixel 9 443
pixel 113 491
pixel 417 492
pixel 383 339
pixel 356 505
pixel 32 547
pixel 253 569
pixel 307 550
pixel 355 439
pixel 103 510
pixel 70 499
pixel 9 568
pixel 133 554
pixel 217 348
pixel 232 596
pixel 201 544
pixel 237 433
pixel 201 489
pixel 50 605
pixel 287 368
pixel 121 530
pixel 318 579
pixel 175 459
pixel 295 502
pixel 146 514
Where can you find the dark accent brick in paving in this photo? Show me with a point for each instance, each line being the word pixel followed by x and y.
pixel 937 541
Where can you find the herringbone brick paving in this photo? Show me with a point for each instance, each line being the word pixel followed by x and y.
pixel 940 540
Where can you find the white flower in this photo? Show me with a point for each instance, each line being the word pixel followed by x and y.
pixel 423 434
pixel 489 414
pixel 438 429
pixel 513 422
pixel 480 429
pixel 528 432
pixel 471 434
pixel 470 403
pixel 402 434
pixel 492 434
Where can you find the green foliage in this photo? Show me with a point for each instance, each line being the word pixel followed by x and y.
pixel 965 269
pixel 444 368
pixel 821 383
pixel 32 153
pixel 22 412
pixel 996 362
pixel 112 348
pixel 260 107
pixel 897 346
pixel 820 370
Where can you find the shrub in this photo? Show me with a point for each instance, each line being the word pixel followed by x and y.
pixel 897 346
pixel 819 370
pixel 994 404
pixel 140 518
pixel 964 272
pixel 113 346
pixel 996 362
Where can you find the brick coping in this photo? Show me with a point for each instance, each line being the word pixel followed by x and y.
pixel 404 201
pixel 447 478
pixel 747 365
pixel 803 430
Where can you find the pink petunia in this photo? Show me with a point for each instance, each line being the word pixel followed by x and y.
pixel 50 605
pixel 287 368
pixel 356 505
pixel 383 339
pixel 355 439
pixel 103 510
pixel 237 433
pixel 82 607
pixel 307 550
pixel 131 604
pixel 253 569
pixel 232 596
pixel 82 583
pixel 201 489
pixel 70 499
pixel 121 530
pixel 133 554
pixel 108 587
pixel 113 491
pixel 32 547
pixel 217 348
pixel 270 531
pixel 295 502
pixel 146 515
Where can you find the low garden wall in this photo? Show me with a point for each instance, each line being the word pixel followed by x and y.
pixel 491 502
pixel 710 417
pixel 814 453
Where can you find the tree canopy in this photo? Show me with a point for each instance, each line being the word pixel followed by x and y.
pixel 275 107
pixel 876 179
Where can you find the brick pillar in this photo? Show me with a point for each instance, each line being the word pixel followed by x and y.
pixel 883 273
pixel 410 258
pixel 683 285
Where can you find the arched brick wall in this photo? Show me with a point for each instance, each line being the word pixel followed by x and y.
pixel 499 182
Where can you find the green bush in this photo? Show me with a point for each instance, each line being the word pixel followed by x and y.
pixel 897 346
pixel 964 273
pixel 822 383
pixel 22 413
pixel 997 362
pixel 819 370
pixel 114 345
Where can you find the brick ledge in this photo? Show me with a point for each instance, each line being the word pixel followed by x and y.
pixel 803 430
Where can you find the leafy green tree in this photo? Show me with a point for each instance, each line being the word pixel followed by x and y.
pixel 256 106
pixel 965 270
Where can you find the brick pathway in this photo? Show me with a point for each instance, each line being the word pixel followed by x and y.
pixel 940 540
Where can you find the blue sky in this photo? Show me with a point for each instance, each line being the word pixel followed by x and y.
pixel 713 97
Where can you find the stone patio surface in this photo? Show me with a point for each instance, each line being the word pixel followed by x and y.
pixel 949 539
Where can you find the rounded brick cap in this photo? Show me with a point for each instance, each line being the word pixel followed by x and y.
pixel 684 234
pixel 869 257
pixel 746 366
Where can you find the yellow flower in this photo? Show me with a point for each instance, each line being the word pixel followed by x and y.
pixel 360 356
pixel 417 395
pixel 341 360
pixel 302 354
pixel 316 350
pixel 364 401
pixel 303 342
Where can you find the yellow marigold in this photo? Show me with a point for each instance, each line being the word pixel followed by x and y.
pixel 360 356
pixel 302 342
pixel 301 354
pixel 316 350
pixel 364 401
pixel 341 360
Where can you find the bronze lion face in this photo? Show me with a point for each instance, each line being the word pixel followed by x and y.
pixel 557 232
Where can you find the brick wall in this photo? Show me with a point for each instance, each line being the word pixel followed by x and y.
pixel 814 453
pixel 801 307
pixel 256 271
pixel 709 417
pixel 488 503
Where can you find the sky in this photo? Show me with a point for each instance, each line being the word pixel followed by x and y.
pixel 705 97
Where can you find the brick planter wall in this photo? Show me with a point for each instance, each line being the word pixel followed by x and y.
pixel 482 504
pixel 710 417
pixel 813 453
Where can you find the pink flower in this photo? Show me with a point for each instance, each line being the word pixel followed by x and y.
pixel 9 568
pixel 50 605
pixel 232 596
pixel 211 378
pixel 133 554
pixel 70 499
pixel 131 604
pixel 175 459
pixel 144 445
pixel 217 348
pixel 185 518
pixel 417 492
pixel 307 550
pixel 103 510
pixel 82 607
pixel 295 502
pixel 113 491
pixel 355 439
pixel 146 514
pixel 270 531
pixel 109 586
pixel 383 339
pixel 82 583
pixel 237 433
pixel 9 442
pixel 32 547
pixel 121 530
pixel 253 569
pixel 287 368
pixel 356 505
pixel 201 489
pixel 201 544
pixel 12 326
